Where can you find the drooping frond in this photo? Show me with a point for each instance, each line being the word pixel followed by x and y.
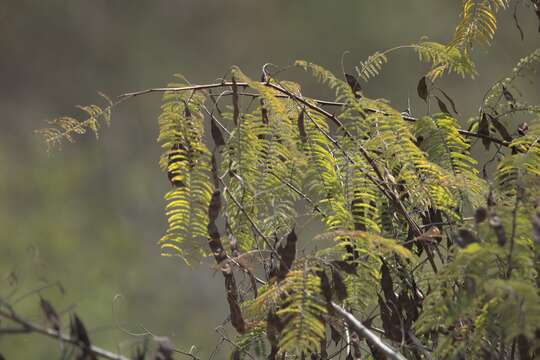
pixel 389 145
pixel 65 127
pixel 521 168
pixel 261 155
pixel 365 201
pixel 324 183
pixel 425 182
pixel 302 315
pixel 294 311
pixel 526 64
pixel 242 155
pixel 254 340
pixel 187 162
pixel 445 146
pixel 506 101
pixel 362 284
pixel 478 23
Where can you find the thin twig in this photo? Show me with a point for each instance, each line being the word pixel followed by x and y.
pixel 221 331
pixel 250 220
pixel 299 192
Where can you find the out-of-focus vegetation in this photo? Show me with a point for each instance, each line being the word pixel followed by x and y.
pixel 88 216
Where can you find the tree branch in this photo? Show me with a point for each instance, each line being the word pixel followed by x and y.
pixel 27 327
pixel 287 94
pixel 363 331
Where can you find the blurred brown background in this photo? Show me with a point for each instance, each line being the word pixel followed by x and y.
pixel 89 216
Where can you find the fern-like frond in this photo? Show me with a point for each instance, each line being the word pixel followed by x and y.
pixel 241 156
pixel 501 97
pixel 365 201
pixel 253 339
pixel 526 64
pixel 478 23
pixel 302 315
pixel 187 162
pixel 423 182
pixel 65 127
pixel 298 304
pixel 444 59
pixel 372 66
pixel 445 146
pixel 363 283
pixel 441 57
pixel 263 150
pixel 470 301
pixel 323 178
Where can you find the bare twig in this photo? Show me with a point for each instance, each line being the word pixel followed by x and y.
pixel 30 327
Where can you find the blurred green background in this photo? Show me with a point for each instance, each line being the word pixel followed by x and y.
pixel 89 216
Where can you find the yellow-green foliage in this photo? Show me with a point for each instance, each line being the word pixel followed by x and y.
pixel 297 302
pixel 444 59
pixel 304 328
pixel 475 297
pixel 478 23
pixel 363 285
pixel 449 149
pixel 262 165
pixel 66 127
pixel 394 194
pixel 187 161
